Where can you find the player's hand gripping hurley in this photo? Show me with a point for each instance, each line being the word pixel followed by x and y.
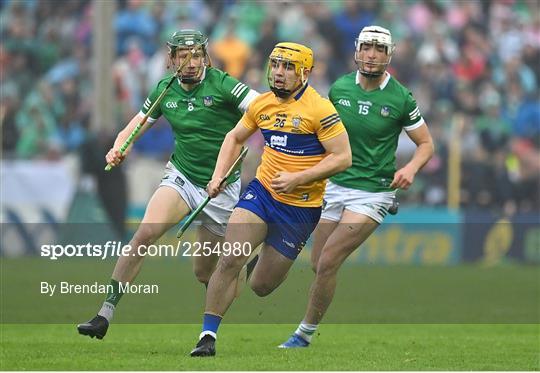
pixel 196 212
pixel 137 129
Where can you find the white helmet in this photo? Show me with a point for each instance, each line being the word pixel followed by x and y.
pixel 374 35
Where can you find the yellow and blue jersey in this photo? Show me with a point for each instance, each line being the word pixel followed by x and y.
pixel 293 132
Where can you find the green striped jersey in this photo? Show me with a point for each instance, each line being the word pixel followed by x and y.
pixel 373 119
pixel 200 119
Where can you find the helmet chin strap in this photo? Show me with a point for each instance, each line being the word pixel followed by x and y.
pixel 370 74
pixel 285 93
pixel 280 92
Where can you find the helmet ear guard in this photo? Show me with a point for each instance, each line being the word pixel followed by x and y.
pixel 290 53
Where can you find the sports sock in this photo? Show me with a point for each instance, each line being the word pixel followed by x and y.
pixel 107 311
pixel 306 331
pixel 113 297
pixel 210 325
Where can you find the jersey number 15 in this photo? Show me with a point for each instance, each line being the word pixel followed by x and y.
pixel 363 109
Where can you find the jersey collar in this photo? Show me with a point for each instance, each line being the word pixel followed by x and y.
pixel 300 93
pixel 382 85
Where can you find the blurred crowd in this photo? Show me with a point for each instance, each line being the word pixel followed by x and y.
pixel 473 66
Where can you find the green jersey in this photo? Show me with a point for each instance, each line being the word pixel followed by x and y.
pixel 200 119
pixel 373 119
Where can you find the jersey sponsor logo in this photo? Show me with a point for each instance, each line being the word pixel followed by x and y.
pixel 264 117
pixel 208 100
pixel 276 140
pixel 305 196
pixel 292 143
pixel 385 111
pixel 344 102
pixel 171 105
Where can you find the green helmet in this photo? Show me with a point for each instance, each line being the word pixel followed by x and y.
pixel 187 39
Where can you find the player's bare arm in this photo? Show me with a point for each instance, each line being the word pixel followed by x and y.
pixel 404 177
pixel 230 149
pixel 338 159
pixel 114 157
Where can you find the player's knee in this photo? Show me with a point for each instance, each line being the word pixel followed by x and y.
pixel 314 267
pixel 229 265
pixel 144 236
pixel 260 288
pixel 327 266
pixel 202 274
pixel 315 261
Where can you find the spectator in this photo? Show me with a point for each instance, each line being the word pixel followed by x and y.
pixel 477 59
pixel 231 52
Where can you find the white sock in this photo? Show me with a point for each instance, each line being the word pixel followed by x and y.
pixel 207 332
pixel 306 331
pixel 107 311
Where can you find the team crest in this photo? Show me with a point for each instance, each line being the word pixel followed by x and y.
pixel 248 196
pixel 385 111
pixel 296 121
pixel 208 100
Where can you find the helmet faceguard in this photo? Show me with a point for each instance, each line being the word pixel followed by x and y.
pixel 194 42
pixel 377 36
pixel 298 55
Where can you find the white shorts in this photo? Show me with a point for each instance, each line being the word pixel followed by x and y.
pixel 337 198
pixel 216 214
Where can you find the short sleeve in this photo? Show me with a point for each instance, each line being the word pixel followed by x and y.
pixel 152 97
pixel 328 123
pixel 234 90
pixel 412 119
pixel 248 119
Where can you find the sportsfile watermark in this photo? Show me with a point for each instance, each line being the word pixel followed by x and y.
pixel 431 272
pixel 116 248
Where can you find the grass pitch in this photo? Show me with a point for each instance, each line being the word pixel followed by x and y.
pixel 253 347
pixel 464 317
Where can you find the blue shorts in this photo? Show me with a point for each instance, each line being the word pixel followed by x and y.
pixel 289 226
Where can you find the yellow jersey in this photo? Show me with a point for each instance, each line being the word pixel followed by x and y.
pixel 293 132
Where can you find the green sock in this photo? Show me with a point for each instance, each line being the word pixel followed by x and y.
pixel 114 296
